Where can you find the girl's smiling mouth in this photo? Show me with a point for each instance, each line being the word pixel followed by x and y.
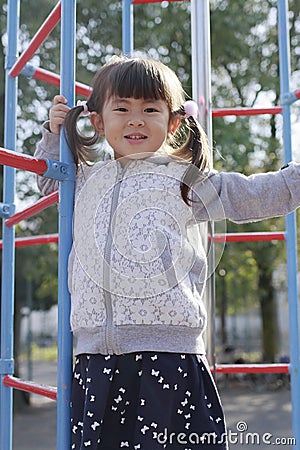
pixel 135 137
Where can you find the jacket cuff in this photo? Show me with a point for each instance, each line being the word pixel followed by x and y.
pixel 50 142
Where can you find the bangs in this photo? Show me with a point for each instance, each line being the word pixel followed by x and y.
pixel 139 80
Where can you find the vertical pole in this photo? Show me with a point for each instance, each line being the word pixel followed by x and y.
pixel 29 329
pixel 201 62
pixel 8 251
pixel 201 86
pixel 291 246
pixel 127 27
pixel 66 196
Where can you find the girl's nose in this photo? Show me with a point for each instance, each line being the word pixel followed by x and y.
pixel 136 122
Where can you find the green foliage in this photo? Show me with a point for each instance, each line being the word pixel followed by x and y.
pixel 237 273
pixel 41 353
pixel 37 264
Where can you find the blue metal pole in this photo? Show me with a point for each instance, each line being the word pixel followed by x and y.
pixel 127 27
pixel 284 62
pixel 8 251
pixel 66 195
pixel 201 78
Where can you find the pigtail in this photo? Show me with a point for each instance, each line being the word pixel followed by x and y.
pixel 78 143
pixel 195 149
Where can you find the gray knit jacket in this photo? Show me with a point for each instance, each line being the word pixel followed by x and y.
pixel 138 264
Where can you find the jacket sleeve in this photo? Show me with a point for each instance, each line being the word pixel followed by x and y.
pixel 48 147
pixel 243 199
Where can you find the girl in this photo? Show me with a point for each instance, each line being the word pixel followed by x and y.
pixel 137 269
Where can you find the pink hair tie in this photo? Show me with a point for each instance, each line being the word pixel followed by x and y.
pixel 191 109
pixel 83 103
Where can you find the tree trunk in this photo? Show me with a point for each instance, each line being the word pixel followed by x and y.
pixel 269 316
pixel 223 307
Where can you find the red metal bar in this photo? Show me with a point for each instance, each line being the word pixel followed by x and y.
pixel 37 40
pixel 39 206
pixel 222 112
pixel 54 79
pixel 252 368
pixel 35 240
pixel 249 237
pixel 45 75
pixel 21 161
pixel 29 386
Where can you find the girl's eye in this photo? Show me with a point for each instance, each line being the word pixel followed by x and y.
pixel 150 110
pixel 121 109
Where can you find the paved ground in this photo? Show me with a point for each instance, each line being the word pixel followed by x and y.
pixel 257 414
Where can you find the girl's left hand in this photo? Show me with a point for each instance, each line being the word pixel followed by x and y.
pixel 58 113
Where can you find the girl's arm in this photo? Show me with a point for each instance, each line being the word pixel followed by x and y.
pixel 241 199
pixel 48 147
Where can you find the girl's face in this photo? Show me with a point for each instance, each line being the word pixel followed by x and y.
pixel 132 126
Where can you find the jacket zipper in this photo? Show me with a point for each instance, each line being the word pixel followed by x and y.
pixel 107 257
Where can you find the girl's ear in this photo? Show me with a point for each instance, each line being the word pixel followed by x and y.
pixel 97 123
pixel 174 124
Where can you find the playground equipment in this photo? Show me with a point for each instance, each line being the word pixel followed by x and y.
pixel 64 171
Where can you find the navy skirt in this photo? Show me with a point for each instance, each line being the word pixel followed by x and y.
pixel 148 401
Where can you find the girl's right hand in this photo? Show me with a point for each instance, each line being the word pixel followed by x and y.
pixel 58 113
